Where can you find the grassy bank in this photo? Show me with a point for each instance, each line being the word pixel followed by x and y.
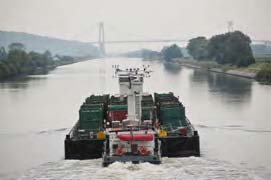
pixel 261 70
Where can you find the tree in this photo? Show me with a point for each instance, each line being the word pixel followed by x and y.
pixel 198 48
pixel 231 48
pixel 37 60
pixel 47 56
pixel 3 54
pixel 18 59
pixel 19 62
pixel 4 70
pixel 16 46
pixel 171 52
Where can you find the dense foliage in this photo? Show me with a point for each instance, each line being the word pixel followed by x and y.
pixel 264 75
pixel 198 48
pixel 18 62
pixel 143 53
pixel 231 48
pixel 171 52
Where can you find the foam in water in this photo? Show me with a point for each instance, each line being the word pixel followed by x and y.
pixel 171 168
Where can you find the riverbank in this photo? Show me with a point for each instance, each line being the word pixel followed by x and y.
pixel 251 72
pixel 46 69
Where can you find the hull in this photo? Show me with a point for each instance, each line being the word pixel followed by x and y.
pixel 170 147
pixel 180 146
pixel 83 149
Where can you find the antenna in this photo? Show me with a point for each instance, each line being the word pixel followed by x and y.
pixel 101 38
pixel 143 72
pixel 230 26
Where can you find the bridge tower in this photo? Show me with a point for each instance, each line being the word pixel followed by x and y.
pixel 101 38
pixel 230 26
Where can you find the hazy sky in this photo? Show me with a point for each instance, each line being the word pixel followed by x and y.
pixel 135 19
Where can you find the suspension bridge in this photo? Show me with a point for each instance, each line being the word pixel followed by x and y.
pixel 101 42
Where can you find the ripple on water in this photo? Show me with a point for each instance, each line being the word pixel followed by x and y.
pixel 171 168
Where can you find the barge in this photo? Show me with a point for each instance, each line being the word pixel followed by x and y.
pixel 132 126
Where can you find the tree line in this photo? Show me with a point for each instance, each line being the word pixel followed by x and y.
pixel 18 62
pixel 232 48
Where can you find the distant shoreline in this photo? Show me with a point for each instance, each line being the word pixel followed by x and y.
pixel 42 72
pixel 249 75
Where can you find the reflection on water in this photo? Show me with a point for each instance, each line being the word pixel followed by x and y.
pixel 173 68
pixel 23 82
pixel 232 89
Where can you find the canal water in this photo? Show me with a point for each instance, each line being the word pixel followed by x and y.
pixel 232 115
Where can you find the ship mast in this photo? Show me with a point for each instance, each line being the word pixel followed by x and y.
pixel 131 85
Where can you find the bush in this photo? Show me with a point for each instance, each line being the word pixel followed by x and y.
pixel 264 75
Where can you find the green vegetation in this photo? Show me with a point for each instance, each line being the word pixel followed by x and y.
pixel 3 54
pixel 232 48
pixel 18 62
pixel 171 52
pixel 198 48
pixel 224 52
pixel 264 74
pixel 261 68
pixel 143 53
pixel 230 51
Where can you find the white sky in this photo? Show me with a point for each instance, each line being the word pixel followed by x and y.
pixel 135 19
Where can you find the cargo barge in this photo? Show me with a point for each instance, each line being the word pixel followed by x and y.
pixel 132 126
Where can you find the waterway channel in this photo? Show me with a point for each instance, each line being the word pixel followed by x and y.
pixel 232 115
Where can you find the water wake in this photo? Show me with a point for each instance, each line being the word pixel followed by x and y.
pixel 39 132
pixel 52 130
pixel 171 168
pixel 235 128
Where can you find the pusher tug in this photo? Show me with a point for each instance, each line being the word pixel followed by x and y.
pixel 131 126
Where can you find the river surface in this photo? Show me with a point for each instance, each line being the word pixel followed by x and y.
pixel 232 115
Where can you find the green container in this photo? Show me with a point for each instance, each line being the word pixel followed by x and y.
pixel 120 107
pixel 173 124
pixel 174 115
pixel 91 116
pixel 92 106
pixel 93 125
pixel 117 100
pixel 92 112
pixel 148 111
pixel 164 97
pixel 147 98
pixel 147 103
pixel 95 99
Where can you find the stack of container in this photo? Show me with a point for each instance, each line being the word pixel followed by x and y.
pixel 170 111
pixel 148 109
pixel 92 113
pixel 117 109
